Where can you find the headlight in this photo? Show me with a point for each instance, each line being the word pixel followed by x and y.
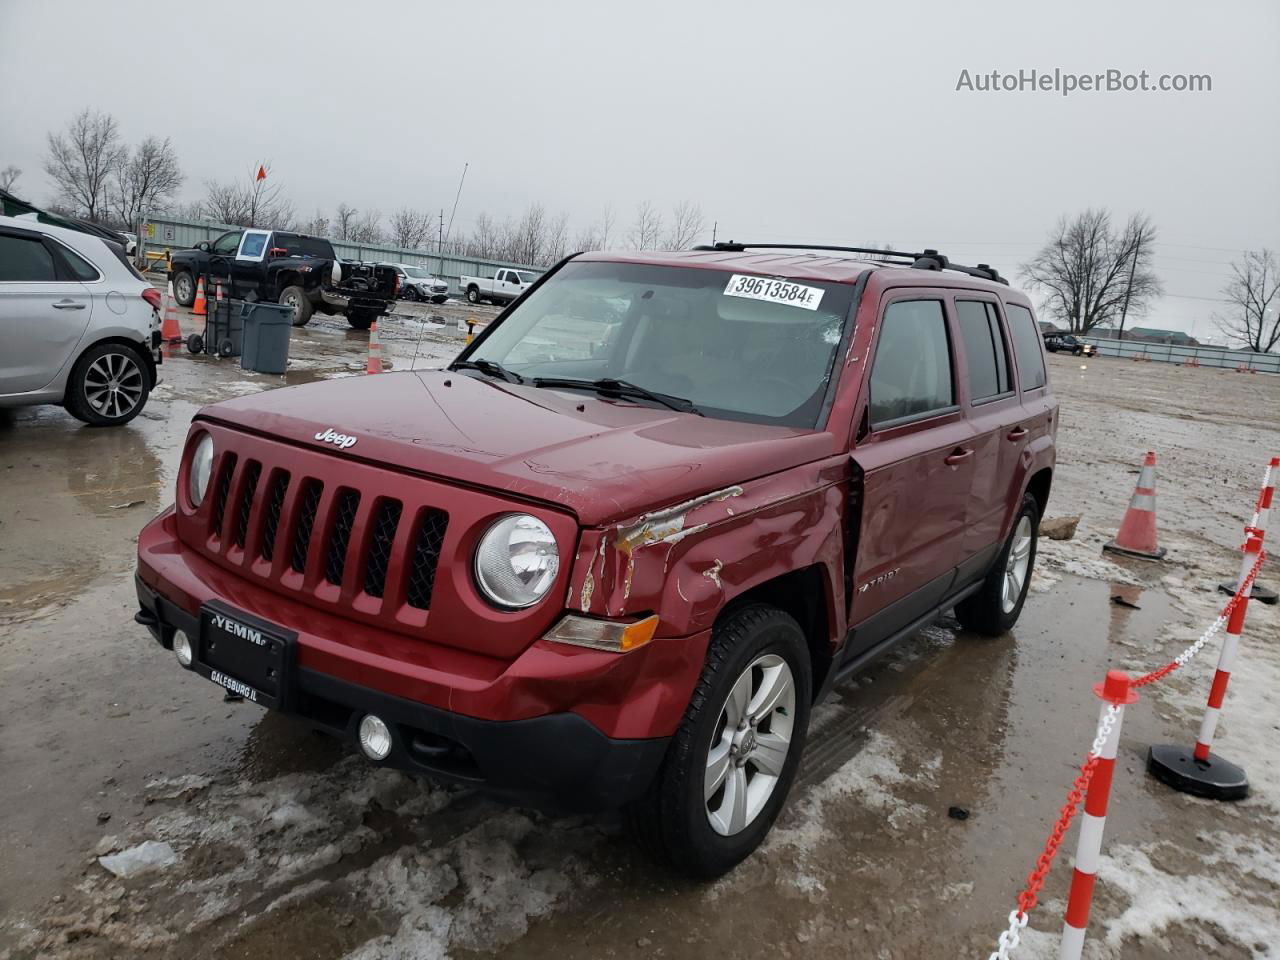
pixel 517 561
pixel 201 466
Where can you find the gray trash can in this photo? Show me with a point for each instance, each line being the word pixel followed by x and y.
pixel 266 337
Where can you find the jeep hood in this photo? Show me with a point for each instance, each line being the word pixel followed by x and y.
pixel 608 461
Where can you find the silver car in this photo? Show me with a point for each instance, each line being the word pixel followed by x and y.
pixel 79 326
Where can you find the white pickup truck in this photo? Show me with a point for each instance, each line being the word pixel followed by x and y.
pixel 503 288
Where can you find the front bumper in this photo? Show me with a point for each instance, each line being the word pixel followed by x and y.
pixel 558 762
pixel 343 301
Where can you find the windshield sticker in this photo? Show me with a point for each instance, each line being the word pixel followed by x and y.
pixel 774 291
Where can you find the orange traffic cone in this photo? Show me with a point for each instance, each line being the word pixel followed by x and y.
pixel 199 309
pixel 1137 536
pixel 375 350
pixel 170 332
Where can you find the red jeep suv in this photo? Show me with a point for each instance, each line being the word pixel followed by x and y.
pixel 613 555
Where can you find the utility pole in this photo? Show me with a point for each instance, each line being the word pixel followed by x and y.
pixel 1124 309
pixel 440 242
pixel 714 227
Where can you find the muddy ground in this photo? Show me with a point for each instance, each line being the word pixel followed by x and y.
pixel 286 845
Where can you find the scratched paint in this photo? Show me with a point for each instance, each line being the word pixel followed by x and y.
pixel 667 525
pixel 712 573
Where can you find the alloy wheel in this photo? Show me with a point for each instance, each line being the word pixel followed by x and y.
pixel 750 745
pixel 1015 570
pixel 113 385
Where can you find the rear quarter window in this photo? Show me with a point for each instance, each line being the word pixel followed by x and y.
pixel 1026 346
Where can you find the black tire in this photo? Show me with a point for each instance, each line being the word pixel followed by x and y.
pixel 985 612
pixel 473 294
pixel 297 298
pixel 184 288
pixel 195 343
pixel 670 821
pixel 89 396
pixel 225 347
pixel 361 320
pixel 440 299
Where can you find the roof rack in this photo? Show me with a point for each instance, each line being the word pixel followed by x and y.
pixel 928 259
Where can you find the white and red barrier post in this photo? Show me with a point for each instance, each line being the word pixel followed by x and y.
pixel 1200 771
pixel 1259 524
pixel 1116 693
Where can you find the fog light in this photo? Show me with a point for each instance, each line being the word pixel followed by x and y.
pixel 182 648
pixel 375 738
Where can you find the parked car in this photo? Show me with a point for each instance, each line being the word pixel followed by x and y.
pixel 290 268
pixel 130 243
pixel 80 326
pixel 627 550
pixel 1054 342
pixel 417 283
pixel 505 286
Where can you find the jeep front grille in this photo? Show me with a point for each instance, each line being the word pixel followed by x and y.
pixel 346 544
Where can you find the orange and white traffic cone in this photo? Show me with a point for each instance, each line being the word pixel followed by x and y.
pixel 199 308
pixel 1137 536
pixel 375 351
pixel 170 331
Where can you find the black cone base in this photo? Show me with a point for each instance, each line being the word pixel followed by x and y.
pixel 1258 592
pixel 1216 779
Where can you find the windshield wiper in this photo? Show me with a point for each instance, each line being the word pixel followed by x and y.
pixel 619 388
pixel 492 367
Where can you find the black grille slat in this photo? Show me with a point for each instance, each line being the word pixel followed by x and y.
pixel 226 468
pixel 306 520
pixel 426 556
pixel 386 518
pixel 252 470
pixel 275 503
pixel 344 519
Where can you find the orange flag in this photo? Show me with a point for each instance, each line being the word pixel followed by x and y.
pixel 262 173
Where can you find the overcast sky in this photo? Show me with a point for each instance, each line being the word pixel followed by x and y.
pixel 832 122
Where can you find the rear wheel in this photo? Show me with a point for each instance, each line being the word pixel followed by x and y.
pixel 730 765
pixel 994 609
pixel 296 298
pixel 108 386
pixel 361 319
pixel 473 294
pixel 184 288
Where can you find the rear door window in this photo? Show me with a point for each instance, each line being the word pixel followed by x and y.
pixel 911 373
pixel 984 350
pixel 25 260
pixel 1026 346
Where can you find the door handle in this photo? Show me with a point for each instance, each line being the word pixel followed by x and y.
pixel 958 455
pixel 1017 433
pixel 68 305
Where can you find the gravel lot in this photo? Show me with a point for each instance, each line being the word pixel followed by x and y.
pixel 284 844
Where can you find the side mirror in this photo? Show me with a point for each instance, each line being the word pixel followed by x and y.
pixel 203 245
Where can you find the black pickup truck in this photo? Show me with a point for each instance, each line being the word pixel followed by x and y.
pixel 290 268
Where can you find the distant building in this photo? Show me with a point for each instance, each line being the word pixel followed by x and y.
pixel 1147 335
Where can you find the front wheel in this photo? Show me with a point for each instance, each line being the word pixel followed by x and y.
pixel 730 765
pixel 297 298
pixel 994 609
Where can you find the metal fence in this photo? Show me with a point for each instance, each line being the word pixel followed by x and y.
pixel 164 232
pixel 1221 357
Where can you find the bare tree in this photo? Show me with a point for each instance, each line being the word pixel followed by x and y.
pixel 81 159
pixel 588 238
pixel 483 238
pixel 366 228
pixel 9 176
pixel 530 238
pixel 557 239
pixel 607 218
pixel 409 228
pixel 317 226
pixel 647 227
pixel 1089 275
pixel 687 222
pixel 1254 295
pixel 144 179
pixel 249 203
pixel 344 220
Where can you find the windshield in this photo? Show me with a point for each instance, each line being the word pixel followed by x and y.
pixel 417 273
pixel 738 347
pixel 304 246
